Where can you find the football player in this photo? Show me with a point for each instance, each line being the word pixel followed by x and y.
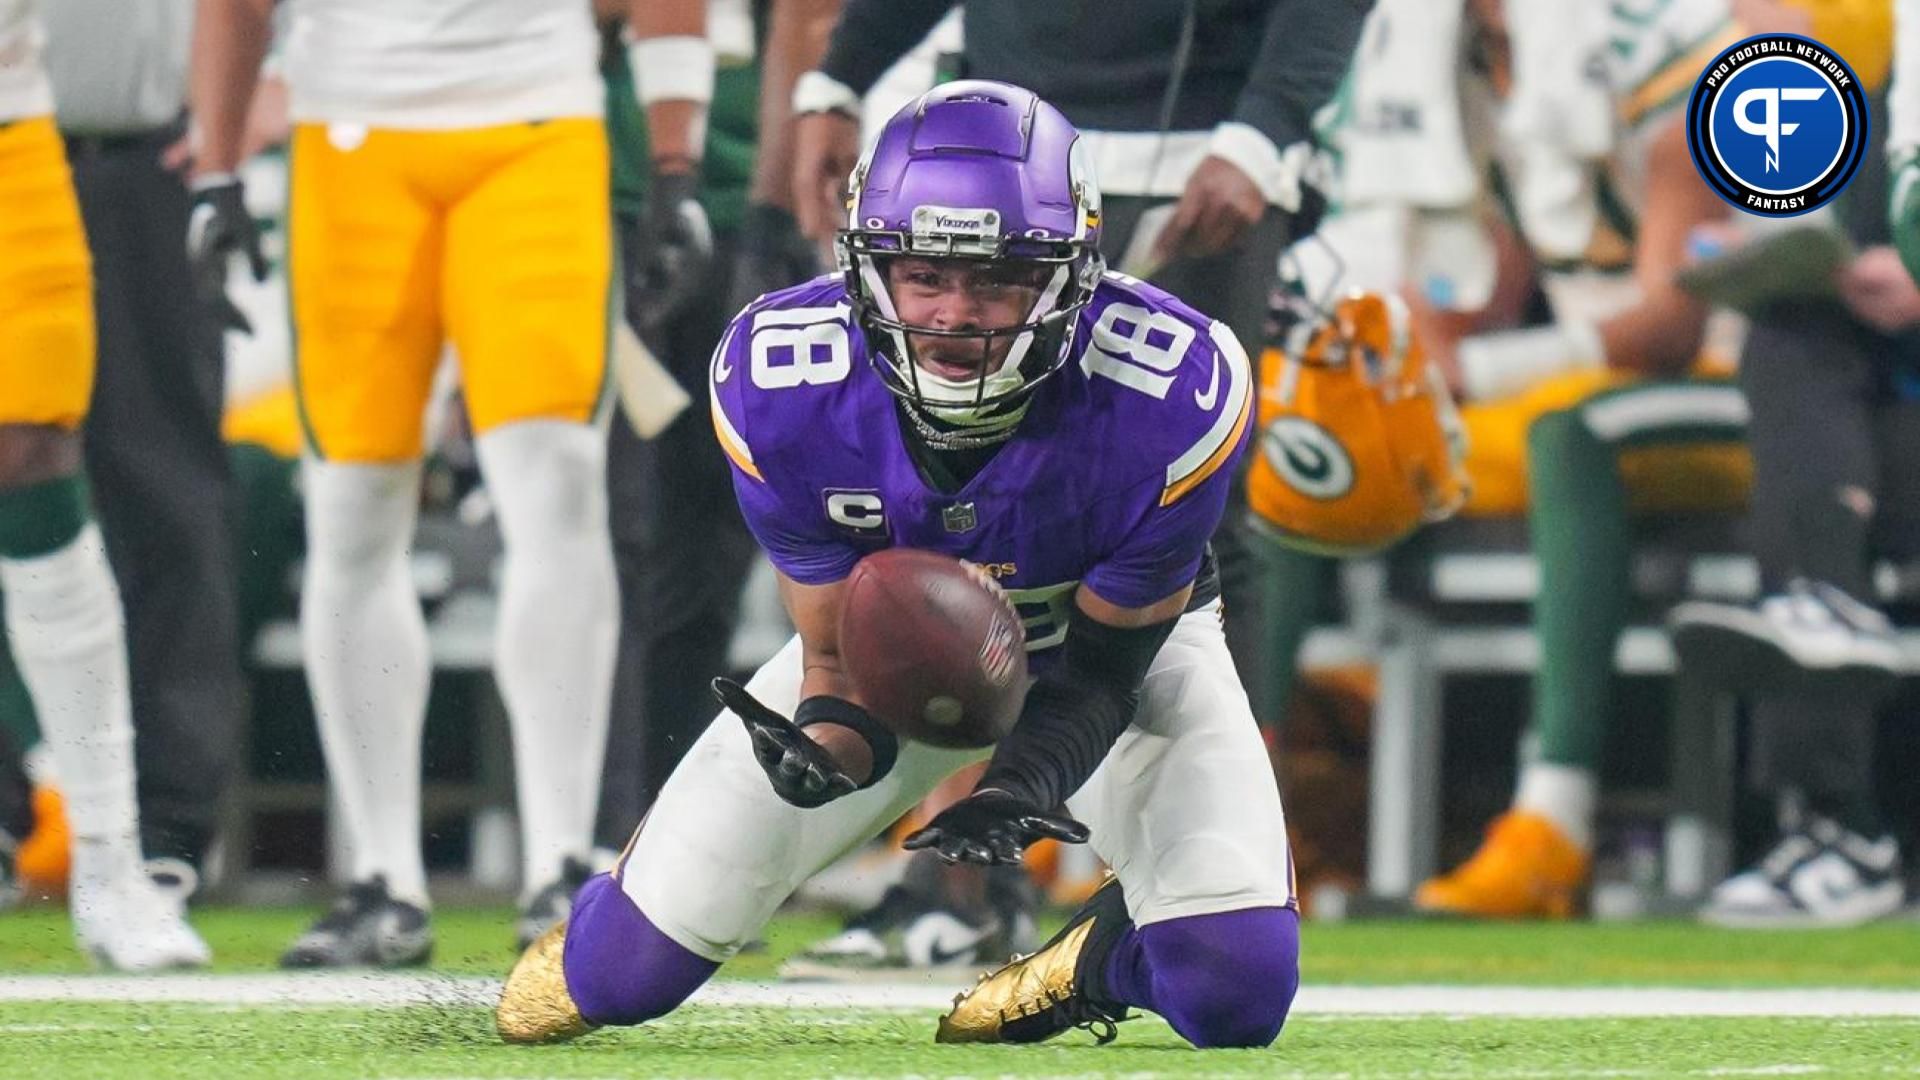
pixel 1619 407
pixel 63 615
pixel 974 383
pixel 1582 422
pixel 449 184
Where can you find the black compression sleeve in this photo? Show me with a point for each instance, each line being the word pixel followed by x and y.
pixel 872 34
pixel 1076 711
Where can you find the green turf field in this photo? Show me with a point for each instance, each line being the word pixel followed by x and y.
pixel 42 1038
pixel 478 942
pixel 204 1043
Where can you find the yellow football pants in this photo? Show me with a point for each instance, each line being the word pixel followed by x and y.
pixel 1698 470
pixel 495 239
pixel 46 282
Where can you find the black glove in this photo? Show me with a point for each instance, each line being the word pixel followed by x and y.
pixel 217 227
pixel 772 254
pixel 676 248
pixel 993 827
pixel 1305 221
pixel 802 771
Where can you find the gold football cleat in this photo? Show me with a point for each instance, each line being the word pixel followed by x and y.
pixel 1055 989
pixel 535 1006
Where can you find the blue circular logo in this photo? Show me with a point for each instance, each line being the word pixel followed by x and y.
pixel 1777 125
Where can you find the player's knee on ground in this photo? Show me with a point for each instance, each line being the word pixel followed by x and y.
pixel 1226 980
pixel 620 968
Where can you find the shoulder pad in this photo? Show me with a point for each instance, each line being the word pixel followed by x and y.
pixel 1181 381
pixel 796 338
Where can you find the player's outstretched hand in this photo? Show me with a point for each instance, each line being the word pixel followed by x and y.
pixel 801 770
pixel 219 226
pixel 993 827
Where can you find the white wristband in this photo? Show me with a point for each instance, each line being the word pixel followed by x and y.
pixel 1509 361
pixel 1276 174
pixel 676 68
pixel 207 181
pixel 818 92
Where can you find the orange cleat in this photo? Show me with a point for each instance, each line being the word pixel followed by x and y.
pixel 1526 868
pixel 45 856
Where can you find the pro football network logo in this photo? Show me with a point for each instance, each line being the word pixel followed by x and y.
pixel 1777 125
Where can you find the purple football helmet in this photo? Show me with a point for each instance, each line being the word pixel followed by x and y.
pixel 981 171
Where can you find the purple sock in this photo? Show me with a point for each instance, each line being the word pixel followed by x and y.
pixel 620 968
pixel 1221 980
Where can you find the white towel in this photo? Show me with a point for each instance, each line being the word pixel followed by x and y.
pixel 1558 120
pixel 1404 142
pixel 1561 95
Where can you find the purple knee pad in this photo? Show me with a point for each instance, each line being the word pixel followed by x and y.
pixel 1221 980
pixel 620 968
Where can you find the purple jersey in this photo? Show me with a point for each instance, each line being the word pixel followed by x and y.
pixel 1114 480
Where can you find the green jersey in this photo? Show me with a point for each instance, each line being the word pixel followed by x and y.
pixel 731 135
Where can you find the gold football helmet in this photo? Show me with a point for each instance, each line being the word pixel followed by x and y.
pixel 1359 439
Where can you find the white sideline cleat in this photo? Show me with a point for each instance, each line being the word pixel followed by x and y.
pixel 125 923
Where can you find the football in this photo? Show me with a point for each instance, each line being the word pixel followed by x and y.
pixel 934 648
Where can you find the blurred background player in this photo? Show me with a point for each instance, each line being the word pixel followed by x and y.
pixel 1621 407
pixel 155 458
pixel 1591 418
pixel 1196 119
pixel 1833 379
pixel 680 546
pixel 449 185
pixel 63 615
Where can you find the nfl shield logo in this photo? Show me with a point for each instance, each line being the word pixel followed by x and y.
pixel 959 518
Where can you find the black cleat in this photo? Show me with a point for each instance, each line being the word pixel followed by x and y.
pixel 551 905
pixel 366 927
pixel 1819 874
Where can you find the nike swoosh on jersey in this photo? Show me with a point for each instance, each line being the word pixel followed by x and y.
pixel 1212 394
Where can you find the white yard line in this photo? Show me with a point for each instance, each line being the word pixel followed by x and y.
pixel 315 989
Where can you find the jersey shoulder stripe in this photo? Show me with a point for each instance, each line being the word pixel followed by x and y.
pixel 731 443
pixel 1175 382
pixel 1230 390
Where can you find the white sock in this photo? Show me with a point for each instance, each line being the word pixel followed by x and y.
pixel 559 627
pixel 68 635
pixel 1563 794
pixel 365 643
